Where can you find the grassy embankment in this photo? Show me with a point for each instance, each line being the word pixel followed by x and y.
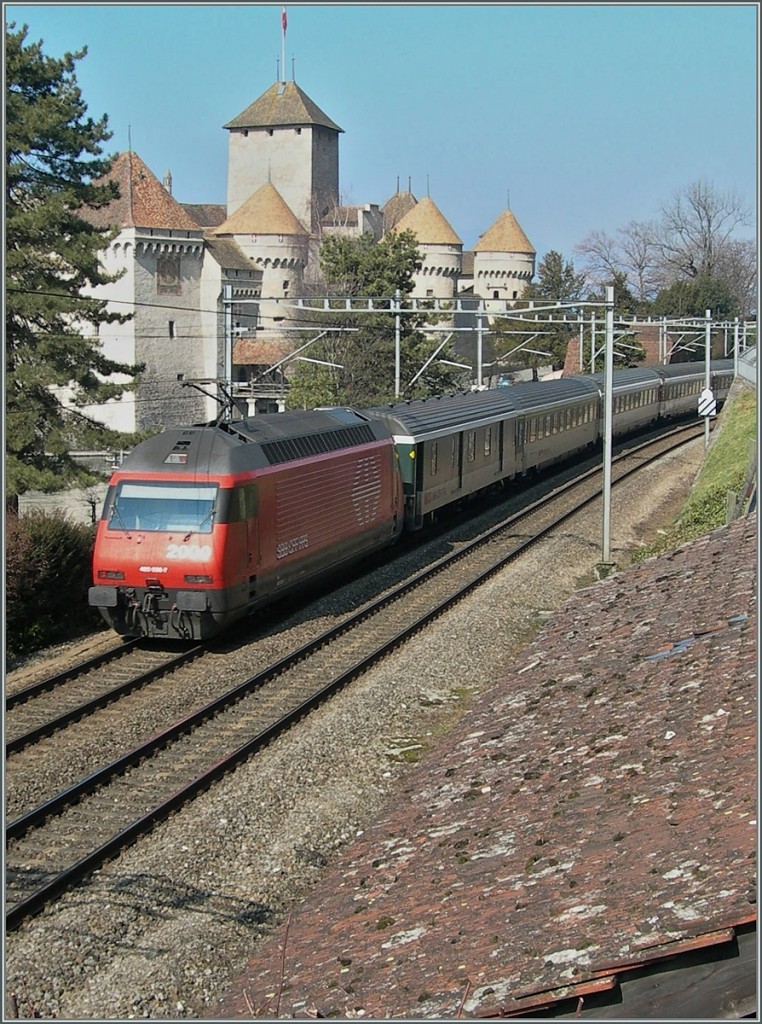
pixel 726 468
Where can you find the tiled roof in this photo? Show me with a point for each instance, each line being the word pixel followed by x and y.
pixel 395 208
pixel 341 216
pixel 260 351
pixel 206 215
pixel 143 202
pixel 505 235
pixel 283 104
pixel 264 213
pixel 229 255
pixel 428 224
pixel 594 812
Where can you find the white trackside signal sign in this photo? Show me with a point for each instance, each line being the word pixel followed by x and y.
pixel 707 404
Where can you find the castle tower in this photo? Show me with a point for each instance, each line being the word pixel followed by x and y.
pixel 440 247
pixel 284 137
pixel 269 234
pixel 160 251
pixel 504 260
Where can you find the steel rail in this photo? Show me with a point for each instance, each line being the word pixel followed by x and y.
pixel 35 689
pixel 96 703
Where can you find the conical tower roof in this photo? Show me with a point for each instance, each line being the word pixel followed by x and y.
pixel 143 201
pixel 283 104
pixel 505 235
pixel 428 224
pixel 264 213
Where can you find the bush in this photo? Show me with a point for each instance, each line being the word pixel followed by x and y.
pixel 47 573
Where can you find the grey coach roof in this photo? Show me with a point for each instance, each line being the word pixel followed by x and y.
pixel 429 416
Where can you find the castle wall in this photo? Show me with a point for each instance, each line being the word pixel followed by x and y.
pixel 168 326
pixel 438 277
pixel 500 275
pixel 117 341
pixel 282 260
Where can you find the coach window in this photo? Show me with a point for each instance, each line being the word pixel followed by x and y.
pixel 471 445
pixel 433 463
pixel 532 429
pixel 548 427
pixel 487 441
pixel 454 456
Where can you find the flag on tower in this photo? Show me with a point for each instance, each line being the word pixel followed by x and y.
pixel 283 18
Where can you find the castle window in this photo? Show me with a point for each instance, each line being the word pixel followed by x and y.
pixel 246 133
pixel 171 326
pixel 298 131
pixel 495 295
pixel 429 293
pixel 269 131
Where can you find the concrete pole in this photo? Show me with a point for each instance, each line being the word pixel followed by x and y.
pixel 479 344
pixel 608 420
pixel 707 369
pixel 397 357
pixel 227 369
pixel 735 349
pixel 592 342
pixel 581 343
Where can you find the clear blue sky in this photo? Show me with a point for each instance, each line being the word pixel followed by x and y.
pixel 581 117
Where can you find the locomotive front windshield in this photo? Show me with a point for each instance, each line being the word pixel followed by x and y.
pixel 155 507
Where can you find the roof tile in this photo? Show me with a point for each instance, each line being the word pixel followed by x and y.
pixel 264 213
pixel 143 201
pixel 428 224
pixel 283 104
pixel 593 811
pixel 505 235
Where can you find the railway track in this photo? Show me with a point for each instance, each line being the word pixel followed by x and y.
pixel 54 845
pixel 51 704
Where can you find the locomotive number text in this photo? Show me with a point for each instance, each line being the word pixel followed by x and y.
pixel 192 552
pixel 289 547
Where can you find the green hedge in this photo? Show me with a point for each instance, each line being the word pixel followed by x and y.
pixel 48 563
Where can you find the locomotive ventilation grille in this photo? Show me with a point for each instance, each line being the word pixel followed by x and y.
pixel 291 448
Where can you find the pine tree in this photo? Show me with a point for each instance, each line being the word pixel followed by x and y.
pixel 53 156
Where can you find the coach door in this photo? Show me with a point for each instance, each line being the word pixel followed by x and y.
pixel 520 445
pixel 248 510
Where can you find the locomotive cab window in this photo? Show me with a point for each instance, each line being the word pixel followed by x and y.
pixel 163 507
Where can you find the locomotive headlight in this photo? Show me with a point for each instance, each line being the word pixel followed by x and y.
pixel 198 579
pixel 110 574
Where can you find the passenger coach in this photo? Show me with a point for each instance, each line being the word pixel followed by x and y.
pixel 455 446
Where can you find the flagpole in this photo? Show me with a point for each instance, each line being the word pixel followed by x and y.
pixel 283 22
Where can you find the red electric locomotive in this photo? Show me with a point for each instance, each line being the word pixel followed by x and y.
pixel 203 524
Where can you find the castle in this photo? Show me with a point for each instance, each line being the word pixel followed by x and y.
pixel 212 286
